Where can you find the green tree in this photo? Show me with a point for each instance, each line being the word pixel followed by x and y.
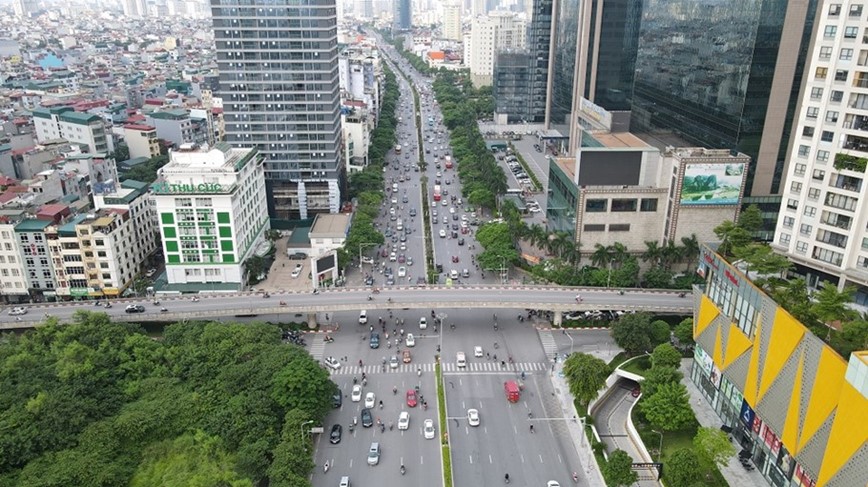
pixel 657 376
pixel 713 447
pixel 304 385
pixel 684 332
pixel 146 172
pixel 852 338
pixel 602 256
pixel 831 305
pixel 690 251
pixel 631 332
pixel 618 470
pixel 121 153
pixel 586 375
pixel 668 408
pixel 658 278
pixel 192 460
pixel 731 236
pixel 759 258
pixel 751 219
pixel 652 253
pixel 665 355
pixel 683 469
pixel 659 332
pixel 140 286
pixel 254 267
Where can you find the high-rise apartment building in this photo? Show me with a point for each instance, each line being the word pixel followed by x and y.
pixel 452 22
pixel 278 68
pixel 403 19
pixel 821 225
pixel 489 35
pixel 724 75
pixel 539 45
pixel 593 48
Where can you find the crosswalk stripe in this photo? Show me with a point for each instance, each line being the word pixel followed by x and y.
pixel 548 342
pixel 317 347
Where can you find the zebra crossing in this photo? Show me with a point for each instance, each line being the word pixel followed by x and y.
pixel 317 346
pixel 485 366
pixel 548 343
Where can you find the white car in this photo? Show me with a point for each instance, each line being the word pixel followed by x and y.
pixel 410 341
pixel 393 362
pixel 575 315
pixel 332 363
pixel 17 311
pixel 444 203
pixel 370 400
pixel 473 417
pixel 452 210
pixel 297 271
pixel 357 393
pixel 442 233
pixel 423 323
pixel 402 271
pixel 404 420
pixel 552 483
pixel 477 351
pixel 453 274
pixel 428 429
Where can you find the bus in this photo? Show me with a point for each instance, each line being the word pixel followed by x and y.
pixel 397 149
pixel 437 193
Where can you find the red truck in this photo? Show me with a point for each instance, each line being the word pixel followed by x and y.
pixel 513 392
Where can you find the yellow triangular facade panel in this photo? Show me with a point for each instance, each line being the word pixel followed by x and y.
pixel 737 344
pixel 787 332
pixel 707 313
pixel 824 394
pixel 753 366
pixel 790 435
pixel 717 354
pixel 849 432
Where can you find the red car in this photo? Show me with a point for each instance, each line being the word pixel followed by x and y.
pixel 454 258
pixel 411 398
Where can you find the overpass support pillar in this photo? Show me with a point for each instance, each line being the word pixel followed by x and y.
pixel 311 321
pixel 559 318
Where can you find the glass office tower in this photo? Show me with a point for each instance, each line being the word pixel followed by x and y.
pixel 709 70
pixel 278 65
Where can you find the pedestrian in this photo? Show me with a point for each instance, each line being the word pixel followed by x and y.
pixel 531 428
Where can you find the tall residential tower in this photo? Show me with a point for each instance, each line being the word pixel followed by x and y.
pixel 278 63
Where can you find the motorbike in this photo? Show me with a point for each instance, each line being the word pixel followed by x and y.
pixel 681 295
pixel 403 469
pixel 163 310
pixel 266 295
pixel 107 305
pixel 325 468
pixel 328 339
pixel 370 298
pixel 283 303
pixel 156 303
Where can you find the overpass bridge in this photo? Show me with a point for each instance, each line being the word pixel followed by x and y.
pixel 291 304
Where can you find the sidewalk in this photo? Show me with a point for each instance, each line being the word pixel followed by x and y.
pixel 583 448
pixel 734 473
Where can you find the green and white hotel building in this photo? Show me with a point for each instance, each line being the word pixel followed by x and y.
pixel 212 211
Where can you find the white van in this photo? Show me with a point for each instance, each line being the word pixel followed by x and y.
pixel 363 317
pixel 400 225
pixel 461 360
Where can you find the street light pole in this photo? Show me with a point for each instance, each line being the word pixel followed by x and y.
pixel 660 446
pixel 362 245
pixel 302 428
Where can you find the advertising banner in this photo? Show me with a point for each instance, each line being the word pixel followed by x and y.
pixel 712 184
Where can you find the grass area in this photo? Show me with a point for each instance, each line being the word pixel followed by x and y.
pixel 619 359
pixel 441 412
pixel 537 185
pixel 638 366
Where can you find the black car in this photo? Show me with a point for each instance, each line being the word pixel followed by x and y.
pixel 412 211
pixel 369 281
pixel 439 267
pixel 367 419
pixel 337 399
pixel 461 241
pixel 135 308
pixel 375 340
pixel 335 436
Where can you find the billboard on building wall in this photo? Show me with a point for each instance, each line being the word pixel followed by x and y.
pixel 712 184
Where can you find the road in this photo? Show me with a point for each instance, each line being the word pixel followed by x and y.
pixel 340 299
pixel 611 421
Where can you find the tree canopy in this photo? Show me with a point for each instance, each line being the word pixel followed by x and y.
pixel 586 375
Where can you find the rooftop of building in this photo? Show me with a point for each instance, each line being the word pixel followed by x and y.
pixel 81 118
pixel 616 140
pixel 140 127
pixel 176 114
pixel 327 225
pixel 32 225
pixel 222 156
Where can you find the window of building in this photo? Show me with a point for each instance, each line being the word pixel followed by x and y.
pixel 829 31
pixel 821 73
pixel 816 93
pixel 834 10
pixel 828 256
pixel 818 175
pixel 801 247
pixel 810 211
pixel 813 193
pixel 799 169
pixel 619 227
pixel 846 54
pixel 806 229
pixel 804 150
pixel 862 262
pixel 796 187
pixel 822 155
pixel 812 113
pixel 856 10
pixel 792 204
pixel 594 228
pixel 788 221
pixel 807 131
pixel 841 74
pixel 648 204
pixel 827 136
pixel 183 202
pixel 826 52
pixel 836 96
pixel 831 116
pixel 624 204
pixel 850 32
pixel 596 205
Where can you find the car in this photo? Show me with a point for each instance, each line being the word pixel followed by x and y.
pixel 409 261
pixel 335 435
pixel 575 315
pixel 455 258
pixel 150 272
pixel 18 311
pixel 374 454
pixel 444 203
pixel 465 273
pixel 392 211
pixel 370 400
pixel 455 217
pixel 442 233
pixel 298 256
pixel 534 209
pixel 410 341
pixel 454 226
pixel 375 340
pixel 393 362
pixel 337 399
pixel 332 363
pixel 434 212
pixel 402 271
pixel 477 351
pixel 367 418
pixel 552 483
pixel 423 323
pixel 405 355
pixel 452 210
pixel 135 308
pixel 393 256
pixel 445 220
pixel 428 429
pixel 461 241
pixel 404 420
pixel 369 281
pixel 390 280
pixel 363 317
pixel 411 398
pixel 453 274
pixel 297 271
pixel 402 259
pixel 412 211
pixel 345 481
pixel 356 395
pixel 473 417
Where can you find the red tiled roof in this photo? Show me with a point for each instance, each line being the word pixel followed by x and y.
pixel 142 127
pixel 52 209
pixel 437 55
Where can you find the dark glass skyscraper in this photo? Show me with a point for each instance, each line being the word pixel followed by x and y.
pixel 403 14
pixel 712 72
pixel 278 65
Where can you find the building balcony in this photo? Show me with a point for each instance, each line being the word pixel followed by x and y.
pixel 856 122
pixel 852 163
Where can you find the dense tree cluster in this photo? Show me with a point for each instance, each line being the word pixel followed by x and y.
pixel 102 404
